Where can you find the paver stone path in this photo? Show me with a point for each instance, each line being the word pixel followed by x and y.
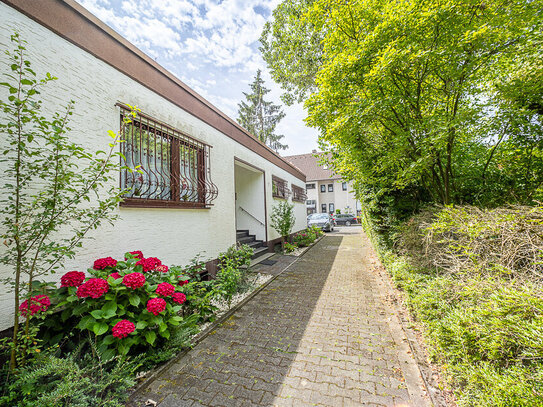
pixel 321 334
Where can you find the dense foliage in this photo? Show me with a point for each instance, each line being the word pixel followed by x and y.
pixel 419 101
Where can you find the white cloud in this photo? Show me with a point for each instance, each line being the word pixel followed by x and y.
pixel 211 45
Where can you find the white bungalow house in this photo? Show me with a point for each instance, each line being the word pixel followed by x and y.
pixel 226 181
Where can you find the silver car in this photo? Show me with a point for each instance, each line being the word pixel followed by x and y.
pixel 322 220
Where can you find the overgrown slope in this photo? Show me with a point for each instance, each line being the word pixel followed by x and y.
pixel 473 279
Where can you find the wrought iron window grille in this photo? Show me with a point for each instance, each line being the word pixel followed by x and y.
pixel 167 167
pixel 298 194
pixel 280 188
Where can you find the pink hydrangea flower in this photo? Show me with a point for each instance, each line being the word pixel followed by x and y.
pixel 72 279
pixel 37 303
pixel 149 263
pixel 101 264
pixel 134 280
pixel 162 268
pixel 156 305
pixel 179 298
pixel 165 289
pixel 94 288
pixel 123 328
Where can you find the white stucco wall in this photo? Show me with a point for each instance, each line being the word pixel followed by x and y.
pixel 173 235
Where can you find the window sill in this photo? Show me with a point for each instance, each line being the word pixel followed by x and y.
pixel 150 203
pixel 279 197
pixel 298 200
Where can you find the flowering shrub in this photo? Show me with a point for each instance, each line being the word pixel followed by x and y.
pixel 123 303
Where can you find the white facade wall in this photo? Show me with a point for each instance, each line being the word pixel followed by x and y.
pixel 173 235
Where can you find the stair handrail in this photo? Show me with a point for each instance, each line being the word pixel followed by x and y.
pixel 252 216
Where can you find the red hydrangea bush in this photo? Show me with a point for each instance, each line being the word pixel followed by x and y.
pixel 123 303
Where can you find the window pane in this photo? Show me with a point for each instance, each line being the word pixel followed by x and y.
pixel 150 150
pixel 323 188
pixel 190 187
pixel 344 186
pixel 323 208
pixel 331 207
pixel 330 187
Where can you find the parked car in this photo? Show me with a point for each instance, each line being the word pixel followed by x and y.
pixel 346 219
pixel 322 220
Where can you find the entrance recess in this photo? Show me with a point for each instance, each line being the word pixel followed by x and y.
pixel 250 199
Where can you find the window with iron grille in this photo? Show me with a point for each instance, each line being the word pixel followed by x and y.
pixel 323 188
pixel 323 208
pixel 165 167
pixel 344 186
pixel 330 187
pixel 309 186
pixel 280 188
pixel 298 194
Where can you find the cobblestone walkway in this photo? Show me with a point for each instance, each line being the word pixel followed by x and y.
pixel 321 333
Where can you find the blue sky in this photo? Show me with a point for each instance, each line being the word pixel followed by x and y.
pixel 210 45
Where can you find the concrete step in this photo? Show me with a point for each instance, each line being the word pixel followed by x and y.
pixel 246 239
pixel 241 233
pixel 255 244
pixel 259 251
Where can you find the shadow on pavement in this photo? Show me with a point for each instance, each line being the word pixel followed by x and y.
pixel 246 360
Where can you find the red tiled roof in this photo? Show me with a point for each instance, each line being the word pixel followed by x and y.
pixel 309 165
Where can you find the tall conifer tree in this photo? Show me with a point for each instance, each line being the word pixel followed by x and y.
pixel 261 117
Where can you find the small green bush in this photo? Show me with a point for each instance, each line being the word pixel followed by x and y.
pixel 231 275
pixel 304 238
pixel 289 248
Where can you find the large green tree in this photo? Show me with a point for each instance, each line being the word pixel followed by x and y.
pixel 261 117
pixel 423 96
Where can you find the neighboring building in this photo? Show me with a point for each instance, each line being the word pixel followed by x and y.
pixel 326 191
pixel 204 179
